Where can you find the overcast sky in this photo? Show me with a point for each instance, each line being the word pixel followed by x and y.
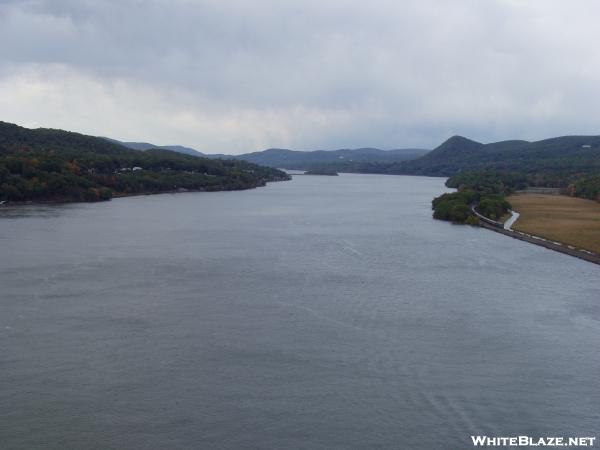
pixel 235 76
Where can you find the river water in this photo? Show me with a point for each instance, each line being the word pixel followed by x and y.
pixel 320 313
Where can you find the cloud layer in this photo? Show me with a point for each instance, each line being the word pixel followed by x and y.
pixel 235 76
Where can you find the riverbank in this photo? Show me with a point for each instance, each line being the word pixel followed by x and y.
pixel 536 240
pixel 565 224
pixel 65 200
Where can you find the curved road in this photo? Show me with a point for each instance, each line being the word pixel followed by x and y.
pixel 511 221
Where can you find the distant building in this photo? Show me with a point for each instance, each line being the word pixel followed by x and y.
pixel 586 146
pixel 135 169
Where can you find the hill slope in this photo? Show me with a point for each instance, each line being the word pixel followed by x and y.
pixel 457 151
pixel 57 165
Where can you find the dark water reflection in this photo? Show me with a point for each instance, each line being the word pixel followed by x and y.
pixel 8 211
pixel 326 312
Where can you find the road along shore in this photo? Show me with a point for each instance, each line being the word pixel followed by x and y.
pixel 556 246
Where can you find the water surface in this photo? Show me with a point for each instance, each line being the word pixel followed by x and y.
pixel 321 313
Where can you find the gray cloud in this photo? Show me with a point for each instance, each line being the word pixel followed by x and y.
pixel 235 76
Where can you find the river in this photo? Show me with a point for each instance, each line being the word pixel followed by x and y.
pixel 320 313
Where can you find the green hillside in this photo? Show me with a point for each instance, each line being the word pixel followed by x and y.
pixel 57 165
pixel 553 161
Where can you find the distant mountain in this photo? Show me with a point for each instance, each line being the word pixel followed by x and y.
pixel 565 154
pixel 143 146
pixel 342 160
pixel 335 159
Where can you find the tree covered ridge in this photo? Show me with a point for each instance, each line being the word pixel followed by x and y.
pixel 547 161
pixel 485 191
pixel 56 165
pixel 584 185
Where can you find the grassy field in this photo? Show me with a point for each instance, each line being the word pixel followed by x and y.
pixel 569 220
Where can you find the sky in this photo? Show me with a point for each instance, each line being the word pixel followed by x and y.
pixel 233 76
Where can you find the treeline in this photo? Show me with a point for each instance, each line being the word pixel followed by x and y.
pixel 33 176
pixel 54 165
pixel 585 187
pixel 573 184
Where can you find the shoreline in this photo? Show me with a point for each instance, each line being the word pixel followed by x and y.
pixel 536 240
pixel 136 194
pixel 505 227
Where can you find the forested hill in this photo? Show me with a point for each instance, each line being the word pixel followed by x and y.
pixel 14 139
pixel 343 160
pixel 561 156
pixel 56 165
